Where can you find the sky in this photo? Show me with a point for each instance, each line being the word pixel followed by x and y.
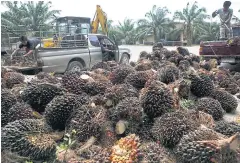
pixel 118 10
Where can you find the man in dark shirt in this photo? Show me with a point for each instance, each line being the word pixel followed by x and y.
pixel 29 44
pixel 107 54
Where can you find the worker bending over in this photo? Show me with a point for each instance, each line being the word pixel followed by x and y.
pixel 28 44
pixel 225 15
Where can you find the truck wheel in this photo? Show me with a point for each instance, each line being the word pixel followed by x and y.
pixel 74 66
pixel 125 59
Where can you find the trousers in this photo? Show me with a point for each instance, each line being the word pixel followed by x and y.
pixel 226 32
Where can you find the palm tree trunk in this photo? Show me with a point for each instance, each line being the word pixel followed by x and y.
pixel 189 35
pixel 155 35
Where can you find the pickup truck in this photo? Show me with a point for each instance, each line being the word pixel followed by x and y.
pixel 222 50
pixel 72 58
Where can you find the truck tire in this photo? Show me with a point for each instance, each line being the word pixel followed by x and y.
pixel 75 66
pixel 125 59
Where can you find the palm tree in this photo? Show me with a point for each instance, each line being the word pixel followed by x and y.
pixel 126 31
pixel 155 23
pixel 28 16
pixel 207 31
pixel 190 15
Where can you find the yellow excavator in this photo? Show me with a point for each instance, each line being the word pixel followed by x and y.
pixel 73 24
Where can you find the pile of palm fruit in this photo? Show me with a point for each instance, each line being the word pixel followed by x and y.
pixel 168 107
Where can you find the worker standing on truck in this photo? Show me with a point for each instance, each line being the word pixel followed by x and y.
pixel 225 15
pixel 29 44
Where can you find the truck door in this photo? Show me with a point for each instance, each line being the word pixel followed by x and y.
pixel 111 46
pixel 95 50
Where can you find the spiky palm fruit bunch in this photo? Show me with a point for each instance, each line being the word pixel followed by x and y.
pixel 158 55
pixel 133 64
pixel 153 152
pixel 7 101
pixel 119 74
pixel 211 106
pixel 28 138
pixel 176 59
pixel 157 46
pixel 93 88
pixel 22 111
pixel 125 150
pixel 228 102
pixel 74 81
pixel 143 65
pixel 116 93
pixel 236 76
pixel 157 100
pixel 168 74
pixel 205 65
pixel 183 51
pixel 87 121
pixel 47 77
pixel 127 109
pixel 170 127
pixel 227 128
pixel 143 54
pixel 201 85
pixel 38 96
pixel 102 65
pixel 166 53
pixel 138 79
pixel 60 108
pixel 195 65
pixel 205 145
pixel 201 118
pixel 99 74
pixel 144 129
pixel 18 89
pixel 95 154
pixel 13 78
pixel 233 88
pixel 195 58
pixel 184 65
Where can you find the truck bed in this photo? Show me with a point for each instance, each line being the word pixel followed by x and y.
pixel 219 48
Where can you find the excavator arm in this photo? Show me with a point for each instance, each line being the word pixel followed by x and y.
pixel 100 17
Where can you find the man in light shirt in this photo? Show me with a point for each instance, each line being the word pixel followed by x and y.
pixel 225 15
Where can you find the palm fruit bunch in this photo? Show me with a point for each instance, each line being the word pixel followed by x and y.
pixel 87 121
pixel 170 127
pixel 157 55
pixel 22 110
pixel 206 145
pixel 102 65
pixel 230 85
pixel 183 51
pixel 157 46
pixel 195 58
pixel 227 128
pixel 44 77
pixel 157 100
pixel 13 78
pixel 139 78
pixel 201 118
pixel 211 106
pixel 116 93
pixel 154 152
pixel 120 73
pixel 94 154
pixel 7 101
pixel 201 85
pixel 38 96
pixel 127 115
pixel 167 54
pixel 17 90
pixel 125 150
pixel 143 65
pixel 74 81
pixel 228 102
pixel 184 65
pixel 29 138
pixel 143 54
pixel 60 108
pixel 168 74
